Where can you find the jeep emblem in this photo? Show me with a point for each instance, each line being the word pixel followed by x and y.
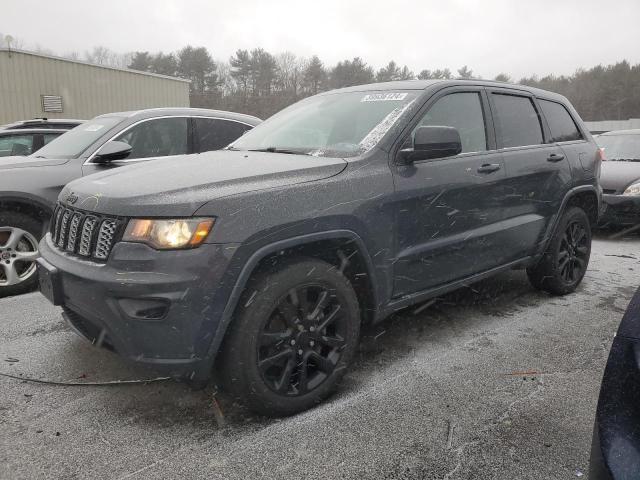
pixel 72 198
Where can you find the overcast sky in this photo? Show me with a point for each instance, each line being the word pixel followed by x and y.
pixel 517 37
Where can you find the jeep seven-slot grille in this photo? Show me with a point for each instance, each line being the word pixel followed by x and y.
pixel 84 233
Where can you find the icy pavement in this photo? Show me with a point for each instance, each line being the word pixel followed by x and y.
pixel 493 381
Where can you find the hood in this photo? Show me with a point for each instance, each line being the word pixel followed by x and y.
pixel 178 186
pixel 30 161
pixel 617 175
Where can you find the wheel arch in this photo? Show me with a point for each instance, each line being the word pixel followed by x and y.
pixel 583 196
pixel 27 204
pixel 354 261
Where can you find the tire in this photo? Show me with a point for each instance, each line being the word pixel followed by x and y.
pixel 565 262
pixel 19 236
pixel 313 332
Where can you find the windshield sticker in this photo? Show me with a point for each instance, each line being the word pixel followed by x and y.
pixel 384 97
pixel 375 135
pixel 93 128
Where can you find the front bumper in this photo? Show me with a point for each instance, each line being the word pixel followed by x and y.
pixel 620 210
pixel 155 307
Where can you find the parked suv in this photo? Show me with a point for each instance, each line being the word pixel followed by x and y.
pixel 29 186
pixel 28 136
pixel 267 257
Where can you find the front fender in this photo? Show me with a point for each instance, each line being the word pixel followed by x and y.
pixel 249 265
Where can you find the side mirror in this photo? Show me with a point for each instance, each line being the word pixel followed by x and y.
pixel 113 150
pixel 432 142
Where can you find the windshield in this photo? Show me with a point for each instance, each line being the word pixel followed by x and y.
pixel 337 125
pixel 77 140
pixel 620 147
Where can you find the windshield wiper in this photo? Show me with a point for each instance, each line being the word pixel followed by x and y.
pixel 278 150
pixel 623 159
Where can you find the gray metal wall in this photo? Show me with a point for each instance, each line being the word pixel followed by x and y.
pixel 87 90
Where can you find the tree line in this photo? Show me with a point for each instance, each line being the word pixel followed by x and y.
pixel 260 83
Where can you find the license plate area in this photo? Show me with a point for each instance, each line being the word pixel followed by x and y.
pixel 50 282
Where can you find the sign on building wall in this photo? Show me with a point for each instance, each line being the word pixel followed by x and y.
pixel 52 103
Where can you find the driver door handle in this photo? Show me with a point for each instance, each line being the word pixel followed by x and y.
pixel 489 168
pixel 554 157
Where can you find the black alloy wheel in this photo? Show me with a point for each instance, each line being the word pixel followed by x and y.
pixel 302 340
pixel 573 253
pixel 565 261
pixel 292 338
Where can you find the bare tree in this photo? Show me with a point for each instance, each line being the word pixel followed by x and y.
pixel 99 55
pixel 289 74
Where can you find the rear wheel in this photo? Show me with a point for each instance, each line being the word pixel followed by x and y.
pixel 293 336
pixel 565 262
pixel 19 235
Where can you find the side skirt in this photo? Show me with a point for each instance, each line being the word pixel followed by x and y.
pixel 406 300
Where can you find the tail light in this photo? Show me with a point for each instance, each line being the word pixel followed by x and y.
pixel 599 159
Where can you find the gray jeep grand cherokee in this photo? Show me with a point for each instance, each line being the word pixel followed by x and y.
pixel 266 258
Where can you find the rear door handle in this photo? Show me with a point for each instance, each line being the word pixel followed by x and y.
pixel 554 157
pixel 489 168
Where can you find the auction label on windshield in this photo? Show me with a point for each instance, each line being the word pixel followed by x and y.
pixel 384 97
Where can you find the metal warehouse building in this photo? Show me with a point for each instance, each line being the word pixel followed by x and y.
pixel 34 85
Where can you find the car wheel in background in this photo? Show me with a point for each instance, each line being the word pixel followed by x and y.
pixel 19 235
pixel 294 334
pixel 565 262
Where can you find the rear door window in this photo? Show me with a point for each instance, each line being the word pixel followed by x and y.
pixel 16 145
pixel 517 120
pixel 47 137
pixel 160 137
pixel 214 133
pixel 562 126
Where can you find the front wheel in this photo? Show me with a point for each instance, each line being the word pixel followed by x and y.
pixel 294 334
pixel 565 262
pixel 19 234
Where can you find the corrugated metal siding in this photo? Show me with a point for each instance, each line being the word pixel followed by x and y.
pixel 86 90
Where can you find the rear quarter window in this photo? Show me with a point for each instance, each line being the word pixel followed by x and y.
pixel 561 124
pixel 214 133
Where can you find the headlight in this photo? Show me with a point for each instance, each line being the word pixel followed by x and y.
pixel 168 234
pixel 633 190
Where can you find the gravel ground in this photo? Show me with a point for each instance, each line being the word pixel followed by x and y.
pixel 494 381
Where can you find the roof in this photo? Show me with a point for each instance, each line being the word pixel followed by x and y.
pixel 26 131
pixel 62 59
pixel 425 84
pixel 22 124
pixel 634 131
pixel 191 112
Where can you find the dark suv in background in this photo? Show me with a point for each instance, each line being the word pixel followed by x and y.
pixel 343 208
pixel 30 185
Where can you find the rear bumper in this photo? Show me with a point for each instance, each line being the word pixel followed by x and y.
pixel 154 307
pixel 620 210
